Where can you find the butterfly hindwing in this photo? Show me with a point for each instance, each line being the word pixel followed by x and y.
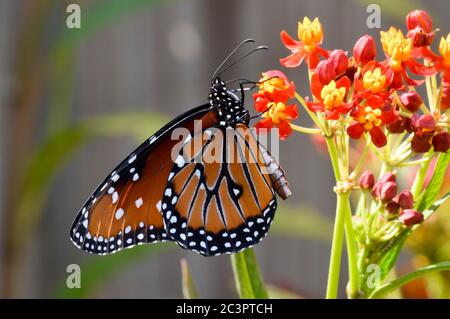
pixel 219 197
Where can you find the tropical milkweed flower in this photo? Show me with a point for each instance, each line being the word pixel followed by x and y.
pixel 374 78
pixel 371 117
pixel 310 35
pixel 271 100
pixel 398 50
pixel 330 97
pixel 427 134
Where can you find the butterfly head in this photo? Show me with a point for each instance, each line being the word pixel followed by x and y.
pixel 229 107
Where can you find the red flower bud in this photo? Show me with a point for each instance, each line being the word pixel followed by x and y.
pixel 364 50
pixel 420 143
pixel 411 101
pixel 388 191
pixel 388 177
pixel 367 180
pixel 410 217
pixel 405 199
pixel 392 207
pixel 339 60
pixel 399 126
pixel 421 19
pixel 424 122
pixel 326 72
pixel 441 142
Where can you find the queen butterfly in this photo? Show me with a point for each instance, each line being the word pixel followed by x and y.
pixel 168 188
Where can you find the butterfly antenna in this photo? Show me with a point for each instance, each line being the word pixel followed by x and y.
pixel 231 54
pixel 262 47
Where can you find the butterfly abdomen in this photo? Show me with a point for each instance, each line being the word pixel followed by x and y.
pixel 277 176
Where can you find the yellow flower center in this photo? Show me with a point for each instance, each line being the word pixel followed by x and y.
pixel 444 49
pixel 276 112
pixel 374 81
pixel 272 84
pixel 370 118
pixel 310 33
pixel 332 96
pixel 396 46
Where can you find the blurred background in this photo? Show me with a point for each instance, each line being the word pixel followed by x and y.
pixel 75 102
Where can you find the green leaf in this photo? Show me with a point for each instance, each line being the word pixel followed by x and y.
pixel 189 289
pixel 302 222
pixel 59 147
pixel 100 268
pixel 392 251
pixel 399 282
pixel 434 187
pixel 248 278
pixel 434 207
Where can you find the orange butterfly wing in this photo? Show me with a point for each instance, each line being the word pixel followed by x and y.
pixel 125 210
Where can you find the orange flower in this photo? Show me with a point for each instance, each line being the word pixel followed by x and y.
pixel 310 35
pixel 373 78
pixel 398 50
pixel 275 90
pixel 278 115
pixel 330 97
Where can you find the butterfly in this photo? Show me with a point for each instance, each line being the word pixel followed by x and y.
pixel 212 189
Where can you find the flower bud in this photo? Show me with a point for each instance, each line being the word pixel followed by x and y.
pixel 392 207
pixel 405 199
pixel 339 60
pixel 411 101
pixel 367 180
pixel 388 191
pixel 441 142
pixel 421 19
pixel 325 71
pixel 420 143
pixel 411 217
pixel 424 122
pixel 364 50
pixel 388 177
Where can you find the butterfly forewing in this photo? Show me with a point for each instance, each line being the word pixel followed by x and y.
pixel 222 201
pixel 125 210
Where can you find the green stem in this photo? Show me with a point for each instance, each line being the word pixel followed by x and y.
pixel 420 178
pixel 336 246
pixel 353 287
pixel 248 278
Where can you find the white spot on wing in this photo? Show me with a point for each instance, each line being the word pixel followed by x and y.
pixel 132 159
pixel 139 202
pixel 119 213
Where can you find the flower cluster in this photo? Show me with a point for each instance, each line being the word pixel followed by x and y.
pixel 392 204
pixel 369 114
pixel 372 97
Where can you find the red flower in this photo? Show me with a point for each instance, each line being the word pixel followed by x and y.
pixel 310 35
pixel 330 97
pixel 400 58
pixel 374 78
pixel 275 90
pixel 370 118
pixel 275 86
